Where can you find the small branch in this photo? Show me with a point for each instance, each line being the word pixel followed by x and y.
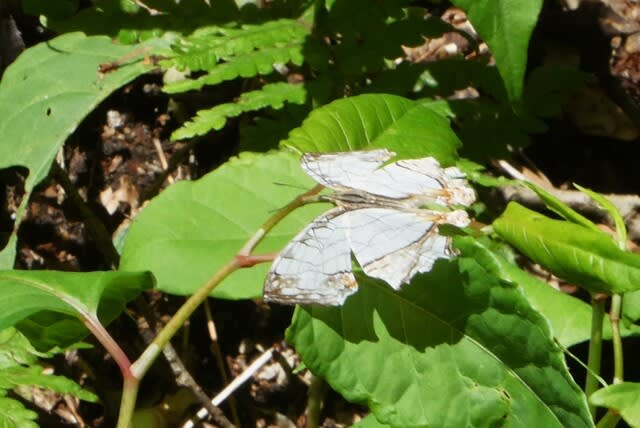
pixel 173 162
pixel 235 384
pixel 148 326
pixel 213 335
pixel 627 205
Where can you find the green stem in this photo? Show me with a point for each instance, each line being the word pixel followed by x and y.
pixel 595 348
pixel 614 315
pixel 609 420
pixel 317 393
pixel 243 259
pixel 128 401
pixel 144 362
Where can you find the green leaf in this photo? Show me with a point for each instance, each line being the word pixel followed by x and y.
pixel 569 317
pixel 413 129
pixel 19 370
pixel 207 47
pixel 14 415
pixel 456 347
pixel 44 96
pixel 74 294
pixel 193 229
pixel 506 26
pixel 562 209
pixel 273 95
pixel 578 254
pixel 17 376
pixel 258 63
pixel 624 398
pixel 621 228
pixel 16 350
pixel 49 329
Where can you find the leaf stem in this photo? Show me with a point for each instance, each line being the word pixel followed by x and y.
pixel 595 347
pixel 317 393
pixel 609 420
pixel 111 346
pixel 140 367
pixel 614 316
pixel 128 401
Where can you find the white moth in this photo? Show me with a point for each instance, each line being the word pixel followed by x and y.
pixel 378 217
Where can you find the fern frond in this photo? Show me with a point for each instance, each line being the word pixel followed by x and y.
pixel 251 64
pixel 272 95
pixel 207 47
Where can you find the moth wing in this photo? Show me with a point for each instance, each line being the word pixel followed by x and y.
pixel 315 267
pixel 422 178
pixel 395 245
pixel 344 170
pixel 426 179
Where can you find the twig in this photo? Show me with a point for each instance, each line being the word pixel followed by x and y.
pixel 173 162
pixel 162 158
pixel 147 326
pixel 627 205
pixel 235 384
pixel 213 335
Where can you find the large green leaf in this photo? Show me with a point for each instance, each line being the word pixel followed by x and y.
pixel 570 318
pixel 457 347
pixel 193 228
pixel 506 26
pixel 74 294
pixel 585 257
pixel 43 97
pixel 413 129
pixel 624 398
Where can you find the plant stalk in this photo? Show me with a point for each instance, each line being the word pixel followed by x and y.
pixel 595 348
pixel 243 259
pixel 128 401
pixel 609 420
pixel 317 393
pixel 614 315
